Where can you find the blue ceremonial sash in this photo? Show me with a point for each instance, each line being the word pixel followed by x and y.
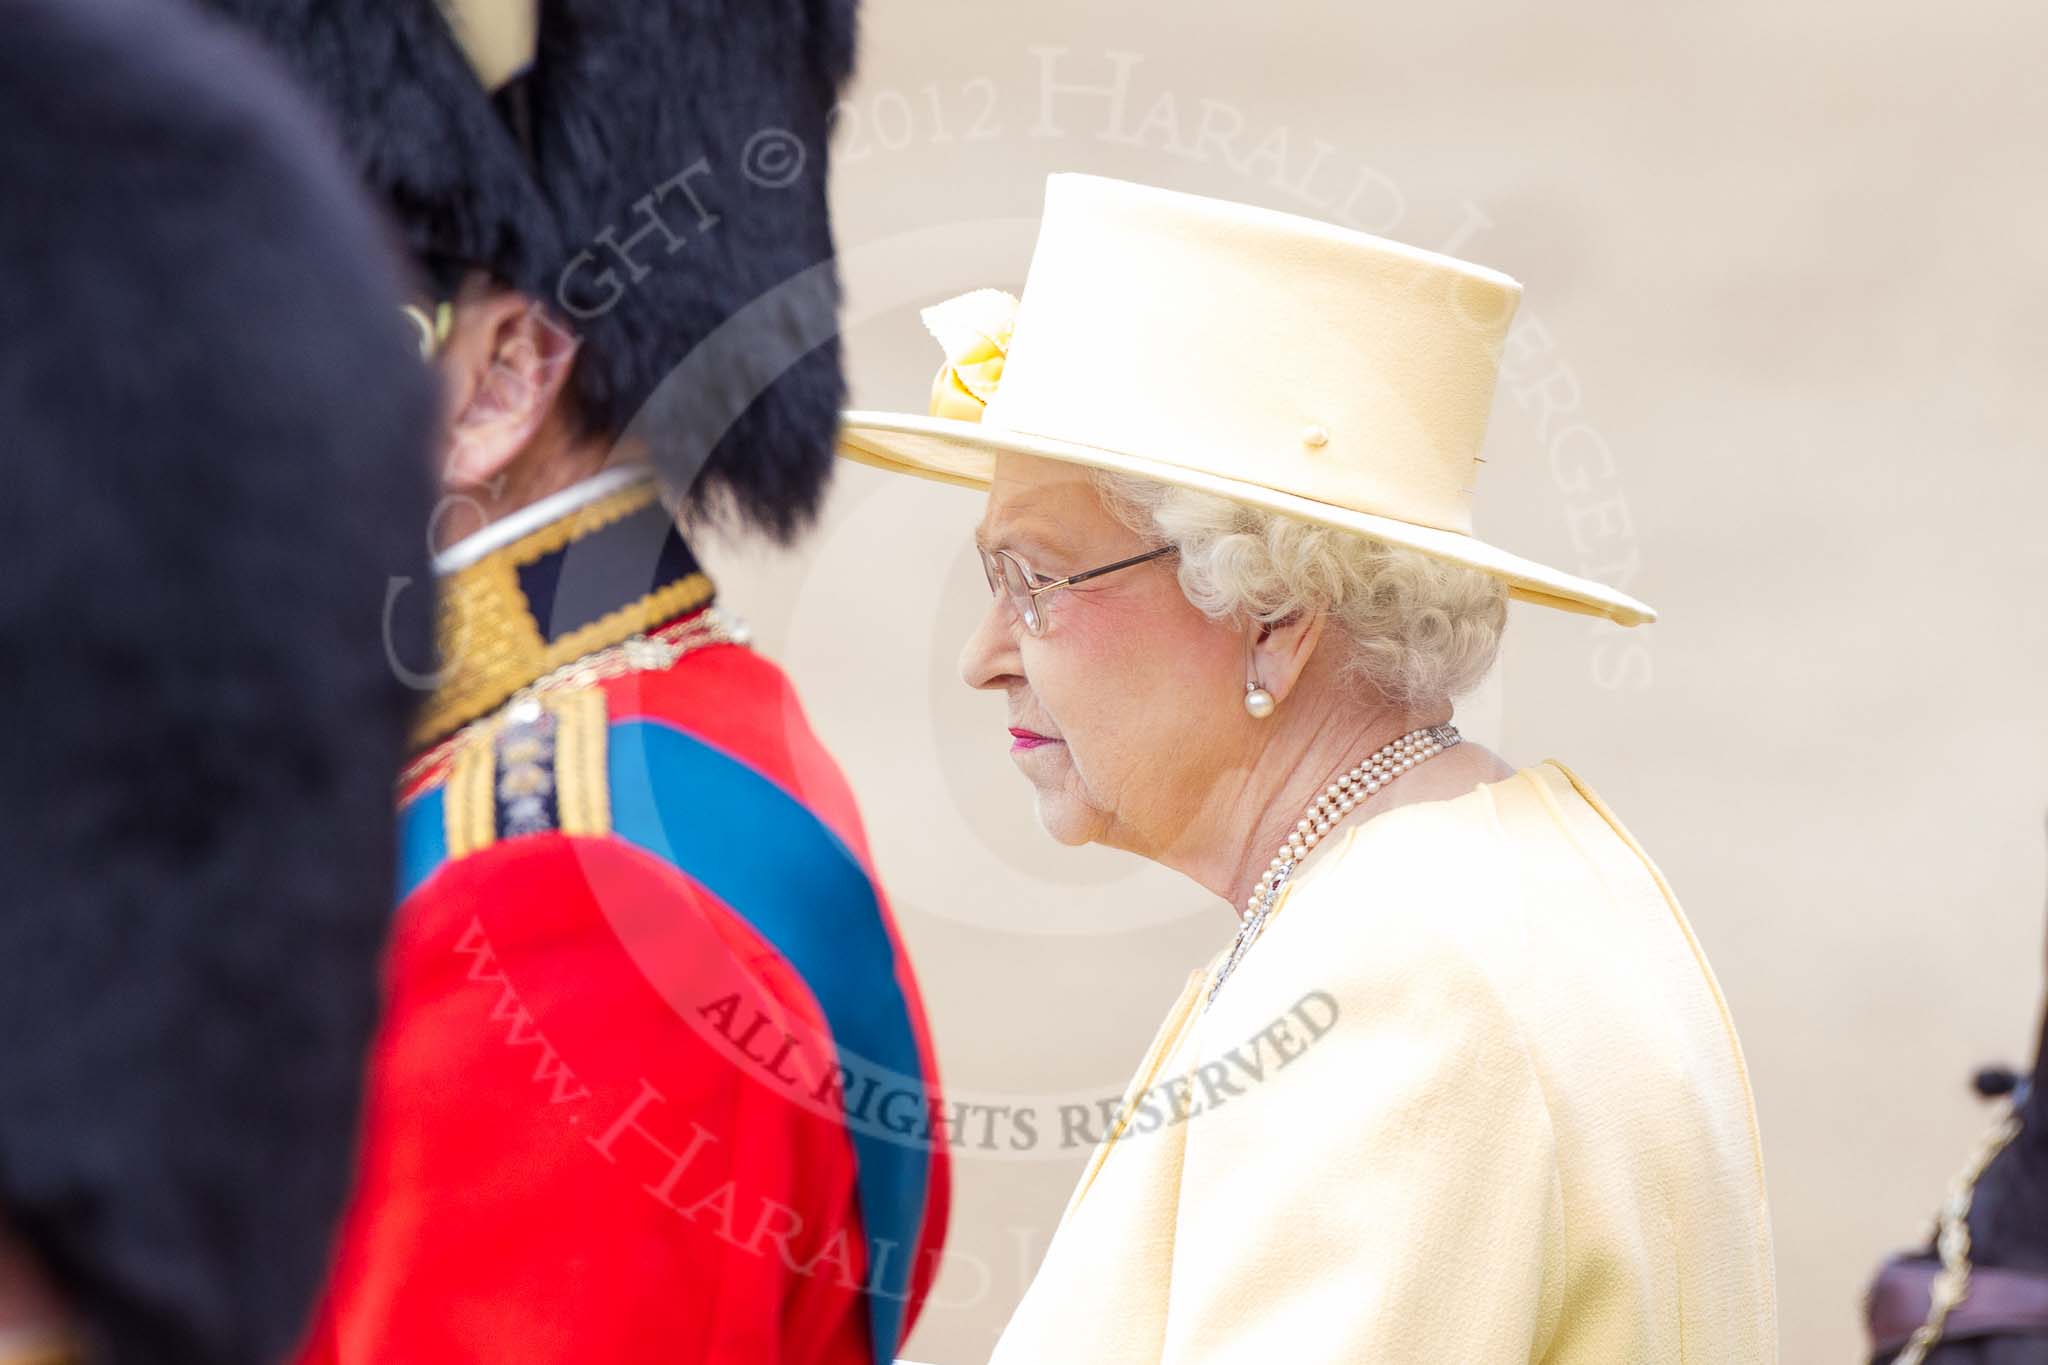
pixel 767 856
pixel 422 840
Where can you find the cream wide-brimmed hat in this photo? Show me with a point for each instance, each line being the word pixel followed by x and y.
pixel 1272 359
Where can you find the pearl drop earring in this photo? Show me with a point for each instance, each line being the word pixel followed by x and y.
pixel 1258 702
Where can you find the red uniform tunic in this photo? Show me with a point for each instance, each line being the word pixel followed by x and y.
pixel 654 1083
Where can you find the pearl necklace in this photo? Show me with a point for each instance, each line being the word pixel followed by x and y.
pixel 1339 799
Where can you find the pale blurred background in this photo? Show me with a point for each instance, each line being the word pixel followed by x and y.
pixel 1786 265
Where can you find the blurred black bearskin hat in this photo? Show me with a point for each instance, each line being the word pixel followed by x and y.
pixel 219 439
pixel 653 171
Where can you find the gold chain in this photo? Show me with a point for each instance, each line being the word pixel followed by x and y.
pixel 653 651
pixel 1952 1239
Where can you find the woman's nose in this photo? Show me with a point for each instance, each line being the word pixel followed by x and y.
pixel 989 659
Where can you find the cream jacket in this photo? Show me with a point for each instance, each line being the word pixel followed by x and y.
pixel 1472 1098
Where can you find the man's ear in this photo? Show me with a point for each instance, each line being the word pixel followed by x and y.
pixel 503 367
pixel 1281 651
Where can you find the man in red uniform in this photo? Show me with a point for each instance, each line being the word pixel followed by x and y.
pixel 654 1082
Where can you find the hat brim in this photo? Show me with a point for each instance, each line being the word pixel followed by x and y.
pixel 964 453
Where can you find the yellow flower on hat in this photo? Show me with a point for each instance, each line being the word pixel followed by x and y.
pixel 974 328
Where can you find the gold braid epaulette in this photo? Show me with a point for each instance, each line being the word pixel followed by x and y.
pixel 540 763
pixel 537 768
pixel 655 651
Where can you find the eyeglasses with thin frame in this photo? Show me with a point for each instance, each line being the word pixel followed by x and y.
pixel 1009 576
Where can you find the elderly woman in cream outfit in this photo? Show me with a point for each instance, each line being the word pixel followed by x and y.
pixel 1462 1088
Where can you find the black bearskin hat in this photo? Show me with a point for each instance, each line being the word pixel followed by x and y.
pixel 654 172
pixel 218 435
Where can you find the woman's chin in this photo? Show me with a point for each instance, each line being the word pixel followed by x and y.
pixel 1068 821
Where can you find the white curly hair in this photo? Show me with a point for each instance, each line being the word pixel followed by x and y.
pixel 1415 629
